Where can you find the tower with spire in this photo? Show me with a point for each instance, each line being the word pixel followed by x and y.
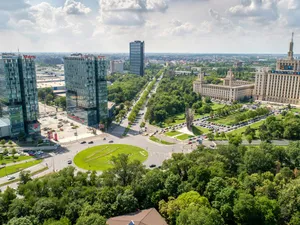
pixel 291 51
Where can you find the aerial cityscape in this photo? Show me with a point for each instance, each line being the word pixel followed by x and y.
pixel 154 112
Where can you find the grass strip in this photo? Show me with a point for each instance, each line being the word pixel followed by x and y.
pixel 155 139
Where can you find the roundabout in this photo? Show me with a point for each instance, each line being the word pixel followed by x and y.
pixel 99 157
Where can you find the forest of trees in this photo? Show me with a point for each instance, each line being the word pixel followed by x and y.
pixel 173 95
pixel 229 185
pixel 125 87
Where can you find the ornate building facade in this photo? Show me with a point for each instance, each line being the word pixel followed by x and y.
pixel 230 90
pixel 282 84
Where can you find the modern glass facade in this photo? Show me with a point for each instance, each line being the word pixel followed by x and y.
pixel 18 93
pixel 85 77
pixel 137 57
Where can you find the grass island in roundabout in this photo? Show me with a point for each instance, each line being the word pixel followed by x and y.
pixel 99 157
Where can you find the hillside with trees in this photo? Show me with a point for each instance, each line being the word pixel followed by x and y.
pixel 229 185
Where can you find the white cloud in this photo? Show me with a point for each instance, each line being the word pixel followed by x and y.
pixel 179 28
pixel 76 8
pixel 261 11
pixel 129 12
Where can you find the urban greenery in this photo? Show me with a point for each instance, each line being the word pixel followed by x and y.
pixel 228 185
pixel 47 96
pixel 99 157
pixel 160 141
pixel 7 170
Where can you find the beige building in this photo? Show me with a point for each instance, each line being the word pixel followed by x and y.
pixel 230 90
pixel 282 84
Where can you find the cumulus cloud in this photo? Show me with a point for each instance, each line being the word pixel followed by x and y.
pixel 180 28
pixel 75 8
pixel 257 10
pixel 129 12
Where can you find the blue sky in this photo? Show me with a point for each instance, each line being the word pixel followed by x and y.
pixel 197 26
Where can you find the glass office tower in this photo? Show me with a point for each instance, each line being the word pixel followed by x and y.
pixel 85 77
pixel 18 94
pixel 137 57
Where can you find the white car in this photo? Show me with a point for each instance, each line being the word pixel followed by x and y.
pixel 10 178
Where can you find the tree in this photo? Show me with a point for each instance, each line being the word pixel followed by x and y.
pixel 195 215
pixel 93 219
pixel 249 138
pixel 20 221
pixel 45 208
pixel 256 160
pixel 235 139
pixel 49 98
pixel 173 207
pixel 2 142
pixel 124 171
pixel 210 136
pixel 245 211
pixel 25 177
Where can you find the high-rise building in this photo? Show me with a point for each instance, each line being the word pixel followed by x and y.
pixel 137 57
pixel 282 84
pixel 86 85
pixel 116 66
pixel 18 94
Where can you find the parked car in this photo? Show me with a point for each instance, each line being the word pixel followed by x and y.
pixel 83 142
pixel 152 166
pixel 90 142
pixel 111 141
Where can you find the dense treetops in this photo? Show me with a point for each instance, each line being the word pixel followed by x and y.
pixel 228 185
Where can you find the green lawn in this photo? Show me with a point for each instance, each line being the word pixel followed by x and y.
pixel 18 167
pixel 228 120
pixel 9 159
pixel 242 130
pixel 216 106
pixel 199 130
pixel 172 133
pixel 99 157
pixel 155 139
pixel 184 137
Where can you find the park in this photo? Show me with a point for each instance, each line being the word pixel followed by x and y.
pixel 98 158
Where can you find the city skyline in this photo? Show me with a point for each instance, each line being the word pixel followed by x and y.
pixel 167 26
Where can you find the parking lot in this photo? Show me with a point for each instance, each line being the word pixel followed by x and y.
pixel 66 129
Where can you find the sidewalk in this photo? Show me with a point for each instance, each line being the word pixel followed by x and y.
pixel 19 162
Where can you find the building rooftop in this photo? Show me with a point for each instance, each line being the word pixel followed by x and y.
pixel 144 217
pixel 50 84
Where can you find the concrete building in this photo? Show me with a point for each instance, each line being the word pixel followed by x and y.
pixel 230 90
pixel 18 94
pixel 116 66
pixel 85 77
pixel 137 57
pixel 282 84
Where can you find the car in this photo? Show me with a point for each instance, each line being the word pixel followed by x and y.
pixel 190 142
pixel 152 166
pixel 83 142
pixel 111 141
pixel 69 161
pixel 104 139
pixel 10 178
pixel 90 142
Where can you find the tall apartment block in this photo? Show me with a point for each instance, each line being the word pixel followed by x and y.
pixel 116 66
pixel 282 84
pixel 86 85
pixel 18 96
pixel 137 57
